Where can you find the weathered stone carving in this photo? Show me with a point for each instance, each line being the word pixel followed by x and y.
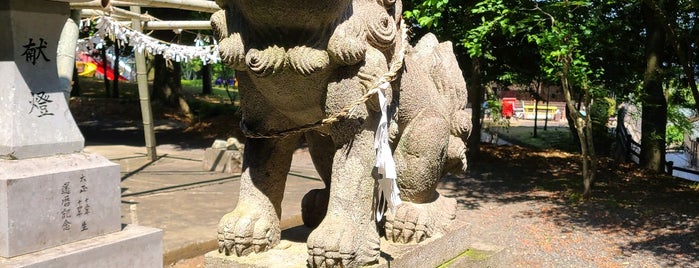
pixel 300 63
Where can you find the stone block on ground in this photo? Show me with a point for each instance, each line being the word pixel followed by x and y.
pixel 134 246
pixel 55 200
pixel 222 160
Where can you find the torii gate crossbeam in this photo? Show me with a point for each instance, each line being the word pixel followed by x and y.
pixel 193 5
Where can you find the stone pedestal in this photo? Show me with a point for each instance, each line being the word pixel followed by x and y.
pixel 59 207
pixel 55 200
pixel 134 246
pixel 453 247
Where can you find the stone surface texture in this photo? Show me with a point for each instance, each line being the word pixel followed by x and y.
pixel 301 62
pixel 35 118
pixel 50 201
pixel 134 246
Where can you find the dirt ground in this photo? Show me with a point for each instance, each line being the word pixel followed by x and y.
pixel 634 218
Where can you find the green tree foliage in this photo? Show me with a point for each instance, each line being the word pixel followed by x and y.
pixel 679 21
pixel 680 103
pixel 167 87
pixel 480 50
pixel 559 41
pixel 601 111
pixel 555 33
pixel 191 69
pixel 595 49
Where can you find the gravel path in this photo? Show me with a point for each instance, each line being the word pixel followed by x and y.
pixel 538 229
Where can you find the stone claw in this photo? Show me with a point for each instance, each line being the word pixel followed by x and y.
pixel 260 248
pixel 221 244
pixel 407 235
pixel 317 260
pixel 237 232
pixel 414 223
pixel 389 231
pixel 225 243
pixel 337 244
pixel 396 235
pixel 240 249
pixel 420 236
pixel 329 259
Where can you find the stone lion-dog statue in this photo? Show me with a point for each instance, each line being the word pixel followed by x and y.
pixel 341 75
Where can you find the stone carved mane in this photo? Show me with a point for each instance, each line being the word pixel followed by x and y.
pixel 300 62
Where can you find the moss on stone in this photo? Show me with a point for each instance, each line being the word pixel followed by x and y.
pixel 471 254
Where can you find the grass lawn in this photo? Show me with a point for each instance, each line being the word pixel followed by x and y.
pixel 554 137
pixel 94 103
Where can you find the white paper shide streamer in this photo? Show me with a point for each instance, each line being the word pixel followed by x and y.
pixel 107 27
pixel 387 187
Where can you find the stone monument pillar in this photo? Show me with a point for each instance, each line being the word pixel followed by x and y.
pixel 59 206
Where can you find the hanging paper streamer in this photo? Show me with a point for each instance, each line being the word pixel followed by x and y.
pixel 140 42
pixel 388 189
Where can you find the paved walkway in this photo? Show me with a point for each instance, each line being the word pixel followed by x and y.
pixel 174 194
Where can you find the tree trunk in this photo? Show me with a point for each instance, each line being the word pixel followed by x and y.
pixel 536 115
pixel 587 182
pixel 206 80
pixel 75 91
pixel 569 117
pixel 591 155
pixel 548 98
pixel 115 88
pixel 475 96
pixel 654 105
pixel 167 85
pixel 583 130
pixel 105 67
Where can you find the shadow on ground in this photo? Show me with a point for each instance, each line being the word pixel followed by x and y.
pixel 647 212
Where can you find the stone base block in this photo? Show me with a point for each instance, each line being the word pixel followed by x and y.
pixel 51 201
pixel 292 252
pixel 479 255
pixel 134 246
pixel 222 160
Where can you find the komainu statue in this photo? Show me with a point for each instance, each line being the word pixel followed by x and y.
pixel 341 75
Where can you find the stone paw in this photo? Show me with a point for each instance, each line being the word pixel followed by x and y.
pixel 244 231
pixel 314 205
pixel 347 46
pixel 413 222
pixel 306 60
pixel 342 242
